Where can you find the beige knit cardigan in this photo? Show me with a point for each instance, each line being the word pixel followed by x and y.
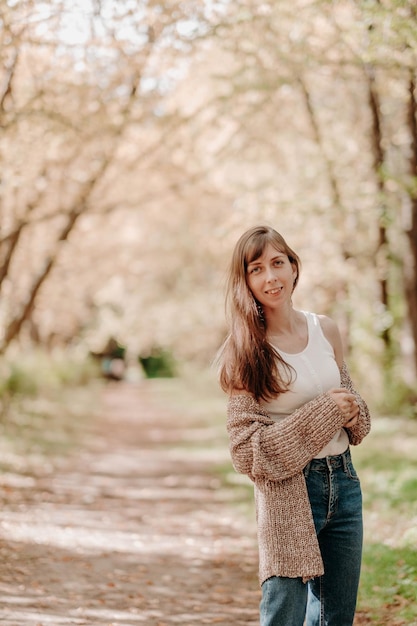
pixel 273 455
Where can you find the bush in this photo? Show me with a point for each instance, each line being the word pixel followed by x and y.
pixel 398 399
pixel 37 372
pixel 18 382
pixel 158 364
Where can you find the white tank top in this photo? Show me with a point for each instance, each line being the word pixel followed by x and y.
pixel 317 372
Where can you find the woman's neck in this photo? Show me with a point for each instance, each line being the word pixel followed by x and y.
pixel 284 322
pixel 288 333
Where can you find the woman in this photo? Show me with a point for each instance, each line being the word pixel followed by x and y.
pixel 292 413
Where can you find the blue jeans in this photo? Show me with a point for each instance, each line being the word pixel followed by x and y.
pixel 329 600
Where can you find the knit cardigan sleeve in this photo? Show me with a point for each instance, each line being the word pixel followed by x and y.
pixel 263 448
pixel 363 426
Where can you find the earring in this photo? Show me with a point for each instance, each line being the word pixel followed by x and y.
pixel 261 315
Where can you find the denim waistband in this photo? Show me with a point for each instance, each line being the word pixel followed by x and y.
pixel 329 462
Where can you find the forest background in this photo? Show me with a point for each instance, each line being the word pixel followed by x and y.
pixel 139 139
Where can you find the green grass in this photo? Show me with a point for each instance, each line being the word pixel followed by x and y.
pixel 389 583
pixel 47 425
pixel 387 465
pixel 36 372
pixel 44 398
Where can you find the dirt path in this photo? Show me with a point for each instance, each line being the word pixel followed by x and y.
pixel 132 529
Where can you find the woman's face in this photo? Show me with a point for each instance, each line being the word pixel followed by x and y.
pixel 271 277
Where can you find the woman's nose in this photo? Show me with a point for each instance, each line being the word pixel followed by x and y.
pixel 270 276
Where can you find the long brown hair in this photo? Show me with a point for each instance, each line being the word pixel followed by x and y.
pixel 247 360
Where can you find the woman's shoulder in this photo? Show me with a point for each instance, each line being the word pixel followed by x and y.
pixel 327 324
pixel 331 332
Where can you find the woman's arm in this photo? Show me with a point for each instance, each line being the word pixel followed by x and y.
pixel 263 448
pixel 363 423
pixel 362 420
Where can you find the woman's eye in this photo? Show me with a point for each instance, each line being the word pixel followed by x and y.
pixel 254 270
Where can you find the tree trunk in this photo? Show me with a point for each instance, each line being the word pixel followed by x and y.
pixel 382 254
pixel 411 266
pixel 15 326
pixel 343 289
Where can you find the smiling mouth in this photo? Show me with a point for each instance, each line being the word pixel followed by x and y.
pixel 272 292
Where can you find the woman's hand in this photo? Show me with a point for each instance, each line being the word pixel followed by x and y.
pixel 347 404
